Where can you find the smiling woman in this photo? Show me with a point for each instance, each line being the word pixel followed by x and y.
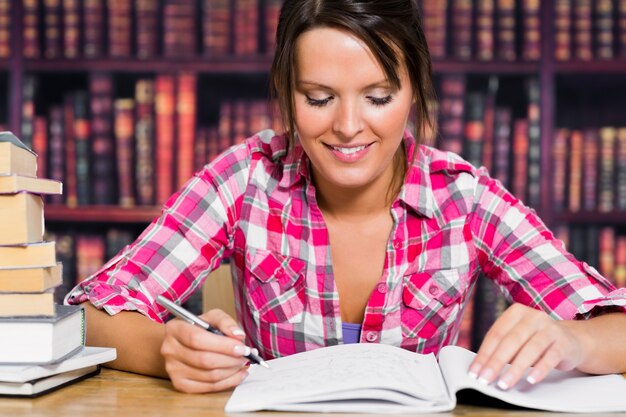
pixel 347 228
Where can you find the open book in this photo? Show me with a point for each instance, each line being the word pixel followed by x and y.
pixel 380 378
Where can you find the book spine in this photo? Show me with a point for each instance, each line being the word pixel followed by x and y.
pixel 56 148
pixel 505 30
pixel 90 251
pixel 5 29
pixel 147 20
pixel 502 145
pixel 563 30
pixel 71 28
pixel 165 90
pixel 119 28
pixel 70 190
pixel 621 30
pixel 186 115
pixel 489 122
pixel 225 126
pixel 575 170
pixel 40 145
pixel 560 158
pixel 451 116
pixel 583 40
pixel 28 109
pixel 102 140
pixel 241 121
pixel 30 29
pixel 179 28
pixel 200 149
pixel 124 123
pixel 434 20
pixel 603 20
pixel 52 28
pixel 272 12
pixel 606 198
pixel 607 251
pixel 485 45
pixel 93 28
pixel 534 142
pixel 590 169
pixel 82 147
pixel 474 127
pixel 246 27
pixel 462 29
pixel 619 272
pixel 520 159
pixel 144 146
pixel 531 48
pixel 216 27
pixel 620 167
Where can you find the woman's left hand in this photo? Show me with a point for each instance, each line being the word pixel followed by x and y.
pixel 525 337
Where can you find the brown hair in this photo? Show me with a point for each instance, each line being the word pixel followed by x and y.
pixel 385 26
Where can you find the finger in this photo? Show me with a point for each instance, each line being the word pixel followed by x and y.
pixel 192 386
pixel 550 360
pixel 527 356
pixel 207 357
pixel 492 339
pixel 195 338
pixel 178 369
pixel 225 323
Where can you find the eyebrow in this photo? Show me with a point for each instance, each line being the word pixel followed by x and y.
pixel 383 83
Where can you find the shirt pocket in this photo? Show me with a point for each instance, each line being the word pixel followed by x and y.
pixel 431 301
pixel 276 286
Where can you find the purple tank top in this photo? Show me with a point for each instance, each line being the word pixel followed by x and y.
pixel 351 332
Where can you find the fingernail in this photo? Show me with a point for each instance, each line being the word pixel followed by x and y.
pixel 236 331
pixel 504 382
pixel 531 380
pixel 242 350
pixel 485 377
pixel 473 371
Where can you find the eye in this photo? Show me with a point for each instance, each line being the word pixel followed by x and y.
pixel 318 102
pixel 380 101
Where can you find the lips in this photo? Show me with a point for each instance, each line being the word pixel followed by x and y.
pixel 349 153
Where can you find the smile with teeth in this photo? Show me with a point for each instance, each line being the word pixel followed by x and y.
pixel 348 151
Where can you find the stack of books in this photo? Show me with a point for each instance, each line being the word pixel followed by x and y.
pixel 38 337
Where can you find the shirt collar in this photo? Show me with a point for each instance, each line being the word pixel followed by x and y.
pixel 416 191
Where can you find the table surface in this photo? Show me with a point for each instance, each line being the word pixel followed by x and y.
pixel 116 393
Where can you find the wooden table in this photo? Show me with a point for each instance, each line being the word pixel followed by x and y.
pixel 115 393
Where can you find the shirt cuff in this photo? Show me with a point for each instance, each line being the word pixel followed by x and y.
pixel 612 302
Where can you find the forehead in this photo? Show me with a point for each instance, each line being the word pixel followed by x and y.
pixel 332 55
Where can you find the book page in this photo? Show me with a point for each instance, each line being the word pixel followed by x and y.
pixel 344 378
pixel 570 391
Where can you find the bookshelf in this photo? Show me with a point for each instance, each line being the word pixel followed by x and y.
pixel 229 73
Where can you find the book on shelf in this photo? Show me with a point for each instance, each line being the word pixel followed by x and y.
pixel 45 385
pixel 15 157
pixel 5 29
pixel 27 304
pixel 38 254
pixel 21 218
pixel 31 279
pixel 378 378
pixel 42 340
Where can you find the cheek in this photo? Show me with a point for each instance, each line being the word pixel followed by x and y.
pixel 390 120
pixel 310 122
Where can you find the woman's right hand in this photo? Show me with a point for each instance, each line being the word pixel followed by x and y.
pixel 198 361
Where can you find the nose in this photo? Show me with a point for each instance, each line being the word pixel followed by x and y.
pixel 348 122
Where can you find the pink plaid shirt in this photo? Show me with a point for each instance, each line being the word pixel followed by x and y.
pixel 256 204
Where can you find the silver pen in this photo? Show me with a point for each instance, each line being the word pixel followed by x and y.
pixel 191 318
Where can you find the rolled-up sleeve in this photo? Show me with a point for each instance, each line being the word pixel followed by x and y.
pixel 523 257
pixel 176 252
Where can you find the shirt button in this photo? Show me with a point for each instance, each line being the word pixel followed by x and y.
pixel 433 290
pixel 371 336
pixel 279 272
pixel 397 244
pixel 382 288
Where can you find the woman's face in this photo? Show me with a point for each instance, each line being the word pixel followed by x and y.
pixel 350 120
